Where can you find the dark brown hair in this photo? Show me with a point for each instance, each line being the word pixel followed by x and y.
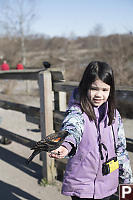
pixel 97 70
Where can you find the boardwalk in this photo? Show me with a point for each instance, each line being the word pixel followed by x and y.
pixel 18 181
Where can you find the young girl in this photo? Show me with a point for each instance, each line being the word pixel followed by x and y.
pixel 96 141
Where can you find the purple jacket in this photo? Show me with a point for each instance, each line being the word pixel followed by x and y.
pixel 83 176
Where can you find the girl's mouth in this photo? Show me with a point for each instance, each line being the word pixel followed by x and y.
pixel 98 100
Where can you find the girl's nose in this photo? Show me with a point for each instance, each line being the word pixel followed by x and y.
pixel 98 93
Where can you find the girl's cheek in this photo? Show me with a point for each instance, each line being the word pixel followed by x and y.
pixel 92 94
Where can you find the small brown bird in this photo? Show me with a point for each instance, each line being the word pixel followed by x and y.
pixel 48 144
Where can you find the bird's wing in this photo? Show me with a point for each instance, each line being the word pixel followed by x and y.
pixel 50 143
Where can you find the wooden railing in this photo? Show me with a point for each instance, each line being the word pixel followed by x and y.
pixel 52 89
pixel 42 115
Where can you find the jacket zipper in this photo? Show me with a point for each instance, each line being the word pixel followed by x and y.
pixel 98 131
pixel 96 177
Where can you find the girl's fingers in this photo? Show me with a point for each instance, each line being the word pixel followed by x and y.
pixel 61 152
pixel 54 154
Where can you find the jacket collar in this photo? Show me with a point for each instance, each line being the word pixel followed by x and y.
pixel 101 113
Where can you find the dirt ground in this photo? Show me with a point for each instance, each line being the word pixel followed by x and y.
pixel 18 181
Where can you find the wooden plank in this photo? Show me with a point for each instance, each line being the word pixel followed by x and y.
pixel 129 147
pixel 34 111
pixel 124 88
pixel 58 119
pixel 60 167
pixel 124 102
pixel 65 86
pixel 56 101
pixel 20 74
pixel 56 75
pixel 129 140
pixel 17 138
pixel 58 116
pixel 46 121
pixel 60 101
pixel 68 86
pixel 34 120
pixel 29 74
pixel 61 163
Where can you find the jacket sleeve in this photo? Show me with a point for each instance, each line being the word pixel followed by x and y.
pixel 74 124
pixel 125 171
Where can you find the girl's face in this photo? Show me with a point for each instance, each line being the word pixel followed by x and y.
pixel 98 93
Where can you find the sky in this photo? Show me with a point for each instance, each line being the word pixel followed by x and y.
pixel 69 18
pixel 81 17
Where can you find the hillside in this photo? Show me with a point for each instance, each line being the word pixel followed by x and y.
pixel 73 55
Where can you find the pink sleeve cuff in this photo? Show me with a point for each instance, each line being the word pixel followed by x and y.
pixel 67 145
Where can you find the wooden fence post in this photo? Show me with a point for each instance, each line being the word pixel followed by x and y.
pixel 62 101
pixel 46 121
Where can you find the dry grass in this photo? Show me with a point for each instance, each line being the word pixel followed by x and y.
pixel 73 55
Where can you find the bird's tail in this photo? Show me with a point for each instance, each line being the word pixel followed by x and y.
pixel 32 156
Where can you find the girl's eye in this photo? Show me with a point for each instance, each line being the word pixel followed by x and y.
pixel 106 89
pixel 94 88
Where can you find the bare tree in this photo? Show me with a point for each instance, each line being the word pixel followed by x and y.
pixel 97 31
pixel 15 19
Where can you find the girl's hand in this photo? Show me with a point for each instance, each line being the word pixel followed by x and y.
pixel 60 152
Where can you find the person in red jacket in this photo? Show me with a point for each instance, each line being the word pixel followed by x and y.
pixel 20 66
pixel 5 66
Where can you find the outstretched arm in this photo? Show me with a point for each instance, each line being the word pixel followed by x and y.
pixel 74 125
pixel 125 171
